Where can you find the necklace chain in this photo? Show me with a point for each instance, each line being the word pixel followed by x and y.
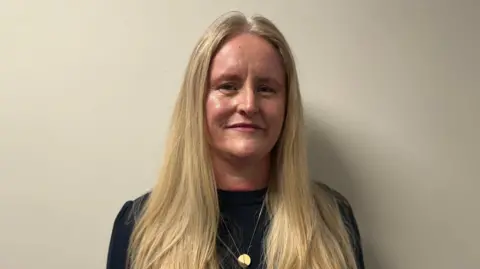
pixel 233 240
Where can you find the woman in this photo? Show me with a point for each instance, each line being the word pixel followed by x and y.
pixel 234 190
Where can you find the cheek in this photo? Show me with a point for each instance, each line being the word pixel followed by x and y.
pixel 216 111
pixel 275 114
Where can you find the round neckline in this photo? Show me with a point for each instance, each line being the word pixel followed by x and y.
pixel 252 197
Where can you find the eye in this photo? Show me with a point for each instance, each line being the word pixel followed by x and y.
pixel 266 89
pixel 228 87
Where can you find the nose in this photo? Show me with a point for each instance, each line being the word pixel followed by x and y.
pixel 247 103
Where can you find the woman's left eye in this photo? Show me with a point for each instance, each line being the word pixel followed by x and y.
pixel 266 89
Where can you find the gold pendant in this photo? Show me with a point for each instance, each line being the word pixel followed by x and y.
pixel 244 260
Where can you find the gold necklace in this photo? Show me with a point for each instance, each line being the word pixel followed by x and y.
pixel 244 260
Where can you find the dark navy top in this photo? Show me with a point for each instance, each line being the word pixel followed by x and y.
pixel 239 213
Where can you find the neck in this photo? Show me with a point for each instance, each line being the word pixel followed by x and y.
pixel 241 175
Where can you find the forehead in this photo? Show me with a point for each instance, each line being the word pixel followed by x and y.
pixel 248 54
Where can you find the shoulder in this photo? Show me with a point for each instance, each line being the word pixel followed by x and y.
pixel 341 201
pixel 349 221
pixel 122 230
pixel 130 211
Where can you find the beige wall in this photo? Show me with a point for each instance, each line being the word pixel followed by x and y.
pixel 391 90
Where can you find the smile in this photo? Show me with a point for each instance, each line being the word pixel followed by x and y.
pixel 245 127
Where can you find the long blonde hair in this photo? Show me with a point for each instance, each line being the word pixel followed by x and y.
pixel 177 227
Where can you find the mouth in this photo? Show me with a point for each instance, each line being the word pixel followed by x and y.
pixel 245 127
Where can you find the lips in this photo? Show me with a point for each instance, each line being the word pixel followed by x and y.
pixel 245 126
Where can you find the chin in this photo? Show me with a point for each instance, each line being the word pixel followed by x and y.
pixel 247 152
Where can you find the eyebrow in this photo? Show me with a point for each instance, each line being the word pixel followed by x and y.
pixel 269 80
pixel 225 77
pixel 235 77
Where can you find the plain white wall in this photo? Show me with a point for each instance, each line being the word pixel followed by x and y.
pixel 391 90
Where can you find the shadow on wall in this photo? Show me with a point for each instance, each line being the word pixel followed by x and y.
pixel 326 165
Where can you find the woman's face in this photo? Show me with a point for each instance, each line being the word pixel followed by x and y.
pixel 245 103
